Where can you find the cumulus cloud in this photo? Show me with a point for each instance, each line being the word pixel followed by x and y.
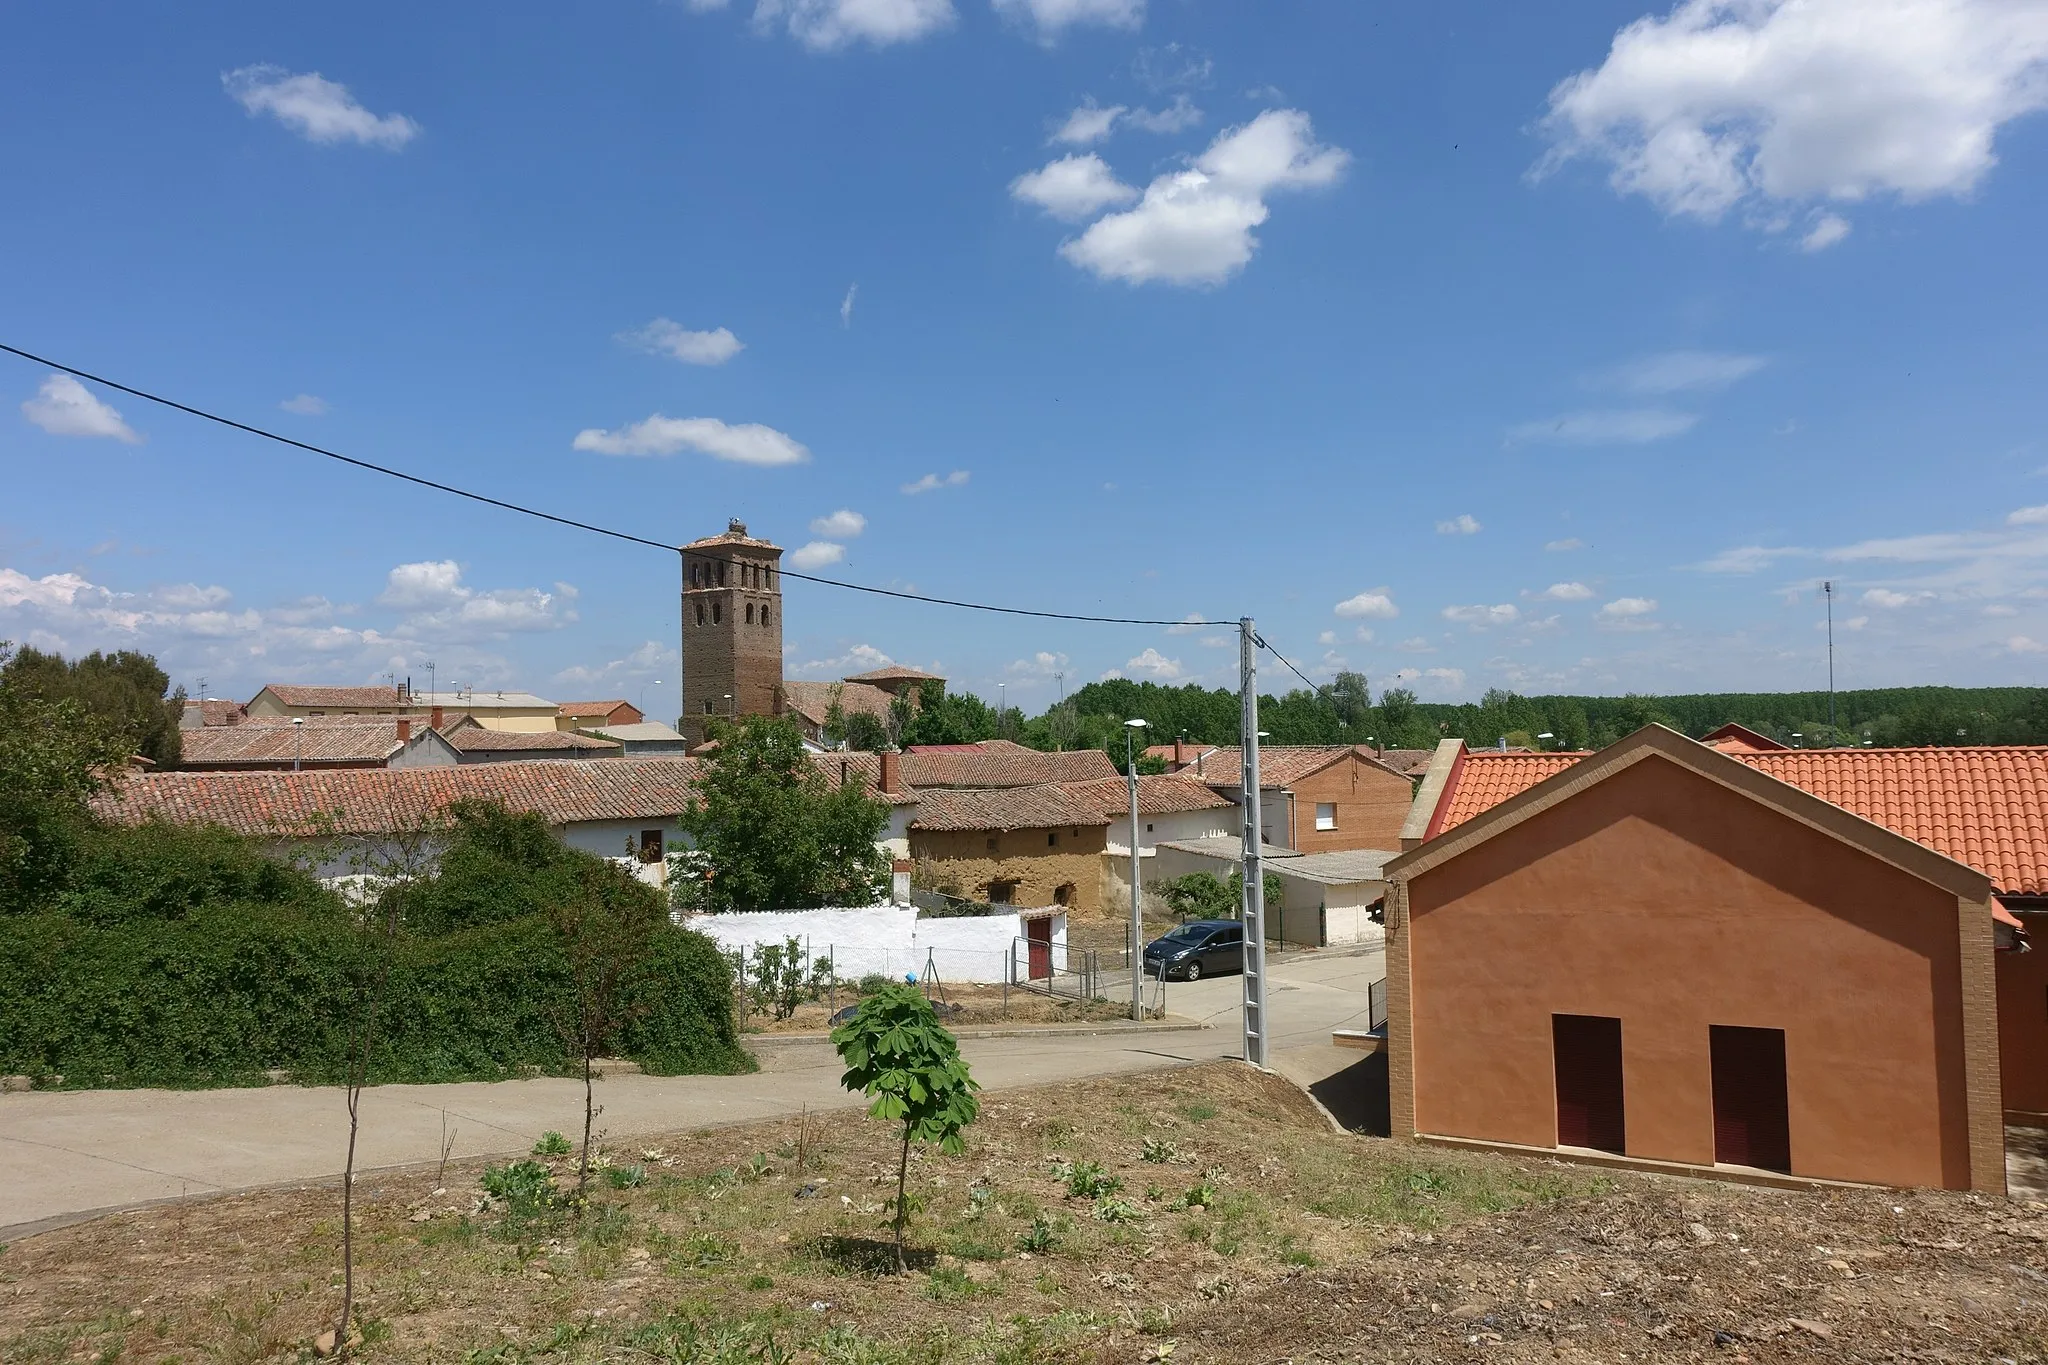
pixel 1891 600
pixel 844 524
pixel 1568 543
pixel 638 666
pixel 1625 426
pixel 1043 664
pixel 742 443
pixel 1328 637
pixel 65 407
pixel 817 554
pixel 1449 679
pixel 1765 105
pixel 859 658
pixel 1464 524
pixel 306 405
pixel 1050 18
pixel 1628 608
pixel 1683 372
pixel 2028 516
pixel 1194 226
pixel 1090 122
pixel 1483 617
pixel 314 107
pixel 827 25
pixel 439 605
pixel 1374 604
pixel 931 483
pixel 1189 624
pixel 1750 558
pixel 1562 592
pixel 1827 230
pixel 1072 188
pixel 666 337
pixel 1176 117
pixel 1154 665
pixel 2020 644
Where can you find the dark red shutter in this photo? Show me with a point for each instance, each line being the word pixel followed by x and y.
pixel 1751 1124
pixel 1586 1050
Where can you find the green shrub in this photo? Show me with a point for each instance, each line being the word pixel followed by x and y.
pixel 552 1143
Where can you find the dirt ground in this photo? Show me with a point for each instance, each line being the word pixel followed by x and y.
pixel 1200 1215
pixel 978 1006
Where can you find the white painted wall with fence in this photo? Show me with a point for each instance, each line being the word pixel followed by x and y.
pixel 891 940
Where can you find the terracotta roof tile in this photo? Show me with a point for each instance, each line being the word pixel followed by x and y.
pixel 894 673
pixel 300 694
pixel 999 763
pixel 270 743
pixel 1279 764
pixel 575 709
pixel 813 700
pixel 1046 807
pixel 474 739
pixel 1156 795
pixel 1985 807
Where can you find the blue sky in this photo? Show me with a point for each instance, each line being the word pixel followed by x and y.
pixel 1468 345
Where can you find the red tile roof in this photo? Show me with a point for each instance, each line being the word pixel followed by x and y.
pixel 275 743
pixel 1740 739
pixel 384 800
pixel 813 700
pixel 475 739
pixel 216 711
pixel 1984 807
pixel 894 673
pixel 1046 807
pixel 999 763
pixel 1156 795
pixel 297 694
pixel 577 709
pixel 1279 764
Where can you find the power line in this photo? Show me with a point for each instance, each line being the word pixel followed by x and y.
pixel 501 504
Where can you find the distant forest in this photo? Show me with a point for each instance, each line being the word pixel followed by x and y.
pixel 1346 711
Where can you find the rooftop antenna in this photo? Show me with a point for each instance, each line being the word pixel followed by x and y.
pixel 431 684
pixel 202 688
pixel 1827 588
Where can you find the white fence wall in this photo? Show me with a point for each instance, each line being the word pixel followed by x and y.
pixel 887 939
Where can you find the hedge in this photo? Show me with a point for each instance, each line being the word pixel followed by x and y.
pixel 230 991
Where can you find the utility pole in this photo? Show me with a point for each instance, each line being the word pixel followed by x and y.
pixel 1827 588
pixel 1254 875
pixel 1131 727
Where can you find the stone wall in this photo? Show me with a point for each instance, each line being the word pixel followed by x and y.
pixel 1040 868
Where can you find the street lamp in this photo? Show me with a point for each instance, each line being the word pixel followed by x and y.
pixel 1131 728
pixel 1545 735
pixel 641 707
pixel 298 740
pixel 1002 706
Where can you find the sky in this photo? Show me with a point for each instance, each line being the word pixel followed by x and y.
pixel 1467 345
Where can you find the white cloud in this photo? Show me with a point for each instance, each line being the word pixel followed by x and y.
pixel 1073 187
pixel 1627 608
pixel 1750 558
pixel 635 668
pixel 1827 230
pixel 817 554
pixel 1189 624
pixel 1090 122
pixel 1464 524
pixel 931 483
pixel 438 604
pixel 846 305
pixel 49 592
pixel 306 405
pixel 1172 66
pixel 1418 644
pixel 316 108
pixel 65 407
pixel 1195 226
pixel 1683 372
pixel 1217 642
pixel 1624 426
pixel 1568 543
pixel 1375 604
pixel 1154 665
pixel 844 524
pixel 2028 516
pixel 1449 679
pixel 428 583
pixel 1765 104
pixel 1050 18
pixel 2001 609
pixel 860 658
pixel 1363 634
pixel 826 25
pixel 665 337
pixel 744 443
pixel 1328 637
pixel 2020 644
pixel 1562 592
pixel 1483 617
pixel 1176 117
pixel 1891 600
pixel 1043 664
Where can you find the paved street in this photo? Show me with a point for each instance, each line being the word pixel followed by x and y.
pixel 70 1152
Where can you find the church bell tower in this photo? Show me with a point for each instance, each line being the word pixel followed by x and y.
pixel 732 629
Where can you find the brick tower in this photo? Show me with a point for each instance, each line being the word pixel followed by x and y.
pixel 732 628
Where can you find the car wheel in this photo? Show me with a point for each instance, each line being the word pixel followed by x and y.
pixel 1194 971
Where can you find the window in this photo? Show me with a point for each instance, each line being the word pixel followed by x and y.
pixel 700 613
pixel 714 613
pixel 650 845
pixel 1063 894
pixel 764 615
pixel 1326 815
pixel 1148 829
pixel 721 574
pixel 991 844
pixel 750 613
pixel 1052 838
pixel 1002 893
pixel 707 706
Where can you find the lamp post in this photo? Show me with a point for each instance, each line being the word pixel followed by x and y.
pixel 1131 728
pixel 298 740
pixel 1545 735
pixel 641 705
pixel 1002 707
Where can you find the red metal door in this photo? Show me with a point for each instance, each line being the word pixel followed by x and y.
pixel 1586 1050
pixel 1039 934
pixel 1752 1123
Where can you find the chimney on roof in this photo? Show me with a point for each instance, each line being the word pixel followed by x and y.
pixel 892 775
pixel 1180 753
pixel 405 729
pixel 435 718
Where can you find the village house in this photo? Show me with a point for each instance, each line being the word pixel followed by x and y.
pixel 497 710
pixel 589 715
pixel 1024 846
pixel 1326 899
pixel 342 741
pixel 648 739
pixel 1314 798
pixel 1803 962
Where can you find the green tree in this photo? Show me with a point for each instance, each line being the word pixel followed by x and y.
pixel 126 692
pixel 899 1055
pixel 942 717
pixel 54 755
pixel 1351 699
pixel 866 732
pixel 1204 895
pixel 773 834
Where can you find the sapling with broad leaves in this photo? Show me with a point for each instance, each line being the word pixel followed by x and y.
pixel 898 1054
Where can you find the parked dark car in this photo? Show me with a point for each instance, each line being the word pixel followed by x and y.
pixel 1199 948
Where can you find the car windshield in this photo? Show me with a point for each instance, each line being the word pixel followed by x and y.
pixel 1188 933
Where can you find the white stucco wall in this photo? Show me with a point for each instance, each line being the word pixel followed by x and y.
pixel 887 939
pixel 1190 824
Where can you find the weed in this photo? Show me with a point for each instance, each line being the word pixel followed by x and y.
pixel 981 1197
pixel 704 1251
pixel 1198 1111
pixel 1159 1151
pixel 760 1282
pixel 949 1284
pixel 460 1233
pixel 607 1225
pixel 1087 1180
pixel 1056 1132
pixel 1199 1196
pixel 552 1144
pixel 526 1191
pixel 625 1177
pixel 1041 1237
pixel 1119 1211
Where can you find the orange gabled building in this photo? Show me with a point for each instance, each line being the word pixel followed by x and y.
pixel 1804 961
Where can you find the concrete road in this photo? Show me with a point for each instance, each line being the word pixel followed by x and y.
pixel 67 1153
